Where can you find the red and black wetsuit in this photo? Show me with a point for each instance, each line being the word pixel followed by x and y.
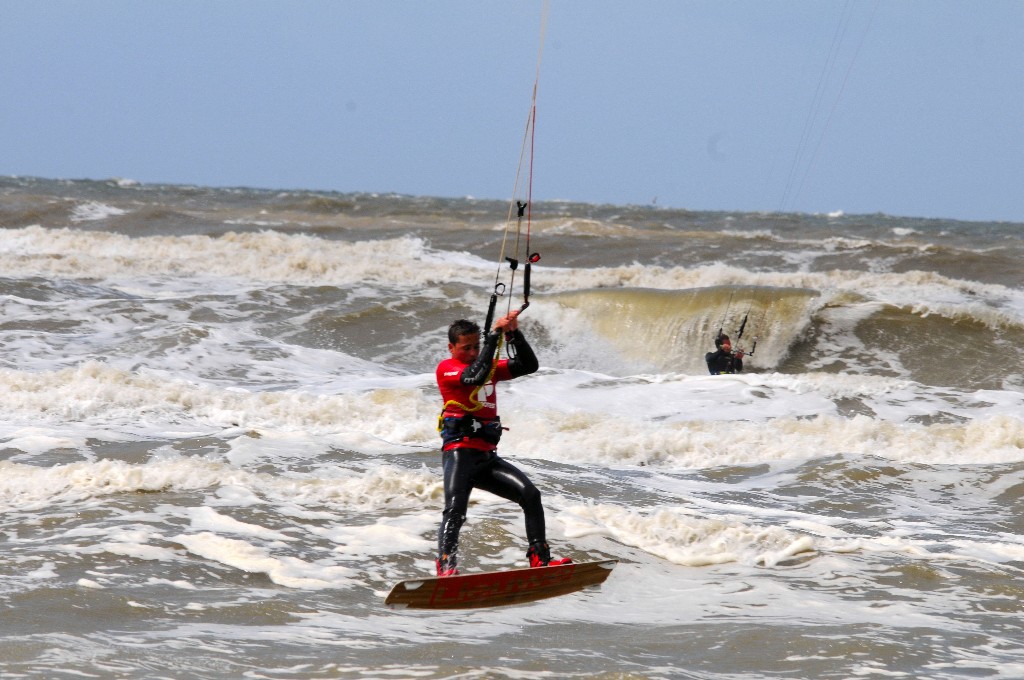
pixel 470 431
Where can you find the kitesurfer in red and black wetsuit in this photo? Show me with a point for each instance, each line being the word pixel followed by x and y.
pixel 470 429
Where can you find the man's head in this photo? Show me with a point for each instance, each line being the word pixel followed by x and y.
pixel 462 327
pixel 722 342
pixel 464 340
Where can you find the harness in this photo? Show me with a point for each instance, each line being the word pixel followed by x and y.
pixel 458 428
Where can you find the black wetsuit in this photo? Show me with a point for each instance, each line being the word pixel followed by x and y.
pixel 721 361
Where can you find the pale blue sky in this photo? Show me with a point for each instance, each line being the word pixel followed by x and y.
pixel 907 107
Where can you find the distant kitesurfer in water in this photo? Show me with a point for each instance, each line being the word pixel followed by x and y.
pixel 470 430
pixel 723 359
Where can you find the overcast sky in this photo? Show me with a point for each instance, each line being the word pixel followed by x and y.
pixel 904 107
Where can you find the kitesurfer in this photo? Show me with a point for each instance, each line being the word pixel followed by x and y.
pixel 723 359
pixel 470 429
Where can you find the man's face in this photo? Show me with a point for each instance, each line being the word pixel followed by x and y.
pixel 467 349
pixel 726 346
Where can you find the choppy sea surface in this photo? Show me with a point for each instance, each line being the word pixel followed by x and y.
pixel 218 446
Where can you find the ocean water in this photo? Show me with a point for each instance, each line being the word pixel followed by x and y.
pixel 218 446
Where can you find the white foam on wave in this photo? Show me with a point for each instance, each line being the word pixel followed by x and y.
pixel 324 501
pixel 213 533
pixel 284 570
pixel 574 416
pixel 91 211
pixel 25 487
pixel 35 440
pixel 708 421
pixel 679 536
pixel 696 445
pixel 134 543
pixel 386 536
pixel 95 396
pixel 188 262
pixel 208 519
pixel 923 292
pixel 709 533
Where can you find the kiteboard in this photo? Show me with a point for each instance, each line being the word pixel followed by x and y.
pixel 498 588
